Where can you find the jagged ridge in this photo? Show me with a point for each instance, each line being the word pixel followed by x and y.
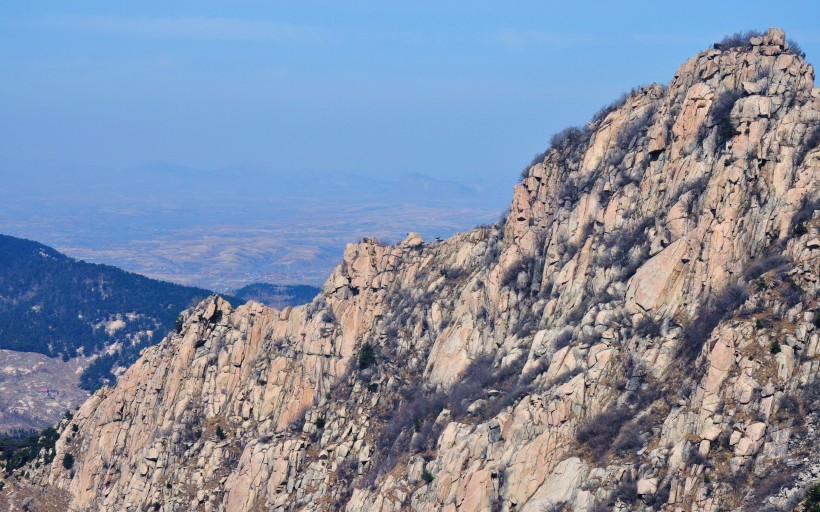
pixel 615 243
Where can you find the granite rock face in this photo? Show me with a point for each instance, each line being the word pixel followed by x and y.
pixel 640 333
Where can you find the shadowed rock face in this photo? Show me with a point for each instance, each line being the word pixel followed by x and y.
pixel 575 318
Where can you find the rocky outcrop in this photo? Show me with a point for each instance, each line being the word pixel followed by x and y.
pixel 639 333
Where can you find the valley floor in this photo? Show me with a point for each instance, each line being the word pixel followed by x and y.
pixel 35 390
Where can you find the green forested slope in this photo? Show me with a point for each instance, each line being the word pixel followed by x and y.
pixel 55 305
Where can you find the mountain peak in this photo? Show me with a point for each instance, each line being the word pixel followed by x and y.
pixel 639 332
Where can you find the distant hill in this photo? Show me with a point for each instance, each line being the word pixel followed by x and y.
pixel 61 307
pixel 264 226
pixel 277 295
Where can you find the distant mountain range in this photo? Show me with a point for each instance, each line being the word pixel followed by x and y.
pixel 224 229
pixel 276 295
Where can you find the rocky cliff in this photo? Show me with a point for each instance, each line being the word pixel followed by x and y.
pixel 639 332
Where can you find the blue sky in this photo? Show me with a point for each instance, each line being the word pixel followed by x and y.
pixel 466 91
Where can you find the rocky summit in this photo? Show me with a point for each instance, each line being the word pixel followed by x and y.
pixel 640 332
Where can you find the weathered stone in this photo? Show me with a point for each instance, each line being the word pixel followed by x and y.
pixel 647 486
pixel 651 216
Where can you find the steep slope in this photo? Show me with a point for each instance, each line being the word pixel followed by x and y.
pixel 57 306
pixel 71 310
pixel 639 333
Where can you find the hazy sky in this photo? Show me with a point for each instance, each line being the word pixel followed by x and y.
pixel 458 90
